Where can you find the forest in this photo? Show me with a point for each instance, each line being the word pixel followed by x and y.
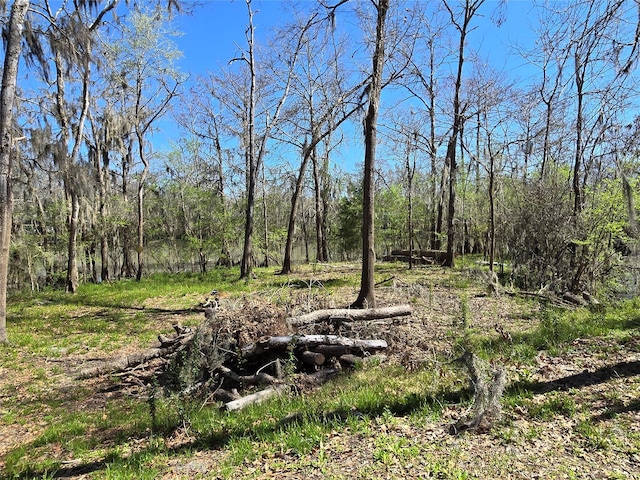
pixel 538 172
pixel 358 238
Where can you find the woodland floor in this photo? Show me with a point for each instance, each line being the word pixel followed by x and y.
pixel 597 437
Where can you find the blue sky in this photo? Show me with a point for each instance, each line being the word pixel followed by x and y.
pixel 216 29
pixel 212 34
pixel 215 33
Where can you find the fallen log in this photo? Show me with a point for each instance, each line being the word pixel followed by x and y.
pixel 259 377
pixel 315 359
pixel 405 258
pixel 167 347
pixel 347 314
pixel 438 256
pixel 315 379
pixel 575 299
pixel 350 360
pixel 254 398
pixel 122 363
pixel 311 342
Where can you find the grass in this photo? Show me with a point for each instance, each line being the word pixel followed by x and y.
pixel 384 416
pixel 555 404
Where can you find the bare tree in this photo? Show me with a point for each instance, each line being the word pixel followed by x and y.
pixel 253 106
pixel 422 83
pixel 462 23
pixel 326 103
pixel 366 296
pixel 7 145
pixel 552 64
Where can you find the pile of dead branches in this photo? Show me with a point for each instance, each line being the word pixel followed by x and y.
pixel 242 361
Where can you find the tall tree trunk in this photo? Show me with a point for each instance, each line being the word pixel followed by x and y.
pixel 247 250
pixel 255 153
pixel 7 115
pixel 252 158
pixel 225 258
pixel 470 9
pixel 72 247
pixel 366 296
pixel 286 263
pixel 435 227
pixel 451 226
pixel 99 154
pixel 317 195
pixel 140 204
pixel 492 217
pixel 265 218
pixel 579 79
pixel 441 204
pixel 127 160
pixel 68 160
pixel 410 173
pixel 102 212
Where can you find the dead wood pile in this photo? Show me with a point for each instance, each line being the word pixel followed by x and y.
pixel 239 362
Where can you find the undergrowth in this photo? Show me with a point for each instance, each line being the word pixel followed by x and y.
pixel 120 437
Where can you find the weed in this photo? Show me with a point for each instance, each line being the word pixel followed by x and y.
pixel 464 311
pixel 555 404
pixel 430 295
pixel 533 432
pixel 595 437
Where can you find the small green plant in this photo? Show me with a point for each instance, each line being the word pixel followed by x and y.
pixel 556 404
pixel 464 311
pixel 595 437
pixel 152 401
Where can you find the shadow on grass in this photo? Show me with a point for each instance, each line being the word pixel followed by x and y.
pixel 617 408
pixel 400 406
pixel 581 380
pixel 221 437
pixel 62 472
pixel 586 379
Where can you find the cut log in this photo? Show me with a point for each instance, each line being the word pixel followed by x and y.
pixel 259 377
pixel 330 351
pixel 315 379
pixel 226 396
pixel 310 342
pixel 350 314
pixel 254 398
pixel 313 358
pixel 350 360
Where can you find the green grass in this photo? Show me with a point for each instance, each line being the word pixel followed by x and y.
pixel 556 329
pixel 557 403
pixel 130 437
